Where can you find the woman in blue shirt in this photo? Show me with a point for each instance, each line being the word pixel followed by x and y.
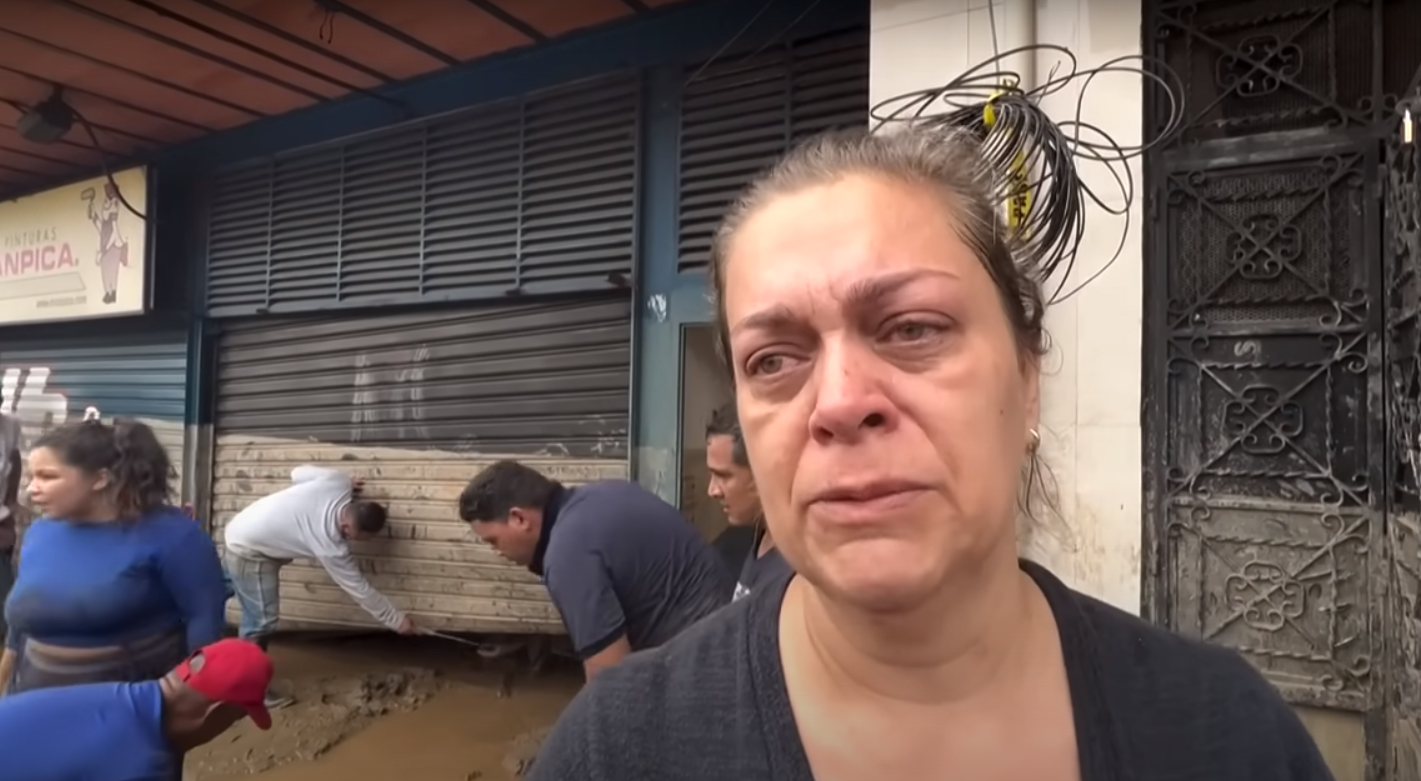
pixel 113 583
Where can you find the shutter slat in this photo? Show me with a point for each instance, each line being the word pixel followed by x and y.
pixel 537 189
pixel 579 186
pixel 741 114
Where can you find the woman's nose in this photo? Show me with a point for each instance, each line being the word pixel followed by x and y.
pixel 851 402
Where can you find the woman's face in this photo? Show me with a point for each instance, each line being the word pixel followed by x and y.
pixel 61 490
pixel 883 402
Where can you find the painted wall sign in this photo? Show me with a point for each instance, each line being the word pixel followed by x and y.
pixel 75 252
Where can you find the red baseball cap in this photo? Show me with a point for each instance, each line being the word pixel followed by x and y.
pixel 234 672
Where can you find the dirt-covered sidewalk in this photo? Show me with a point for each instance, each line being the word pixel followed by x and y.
pixel 386 707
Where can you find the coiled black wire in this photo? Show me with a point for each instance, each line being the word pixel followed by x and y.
pixel 1022 137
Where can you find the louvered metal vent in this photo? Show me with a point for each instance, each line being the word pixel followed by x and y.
pixel 741 113
pixel 531 195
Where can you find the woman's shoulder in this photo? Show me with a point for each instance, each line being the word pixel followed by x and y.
pixel 1187 699
pixel 652 709
pixel 688 671
pixel 38 527
pixel 168 528
pixel 1127 647
pixel 1167 659
pixel 171 519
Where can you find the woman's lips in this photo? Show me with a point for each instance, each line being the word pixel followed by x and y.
pixel 865 502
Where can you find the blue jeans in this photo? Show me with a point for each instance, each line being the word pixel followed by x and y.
pixel 257 585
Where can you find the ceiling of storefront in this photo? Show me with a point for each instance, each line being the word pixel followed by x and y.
pixel 148 74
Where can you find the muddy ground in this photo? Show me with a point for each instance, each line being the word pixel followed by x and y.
pixel 380 707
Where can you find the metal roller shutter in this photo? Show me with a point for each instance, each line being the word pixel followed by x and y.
pixel 144 376
pixel 417 403
pixel 532 195
pixel 742 112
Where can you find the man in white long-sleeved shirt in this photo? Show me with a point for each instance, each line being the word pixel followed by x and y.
pixel 314 518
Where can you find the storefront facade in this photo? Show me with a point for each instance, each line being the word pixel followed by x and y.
pixel 501 259
pixel 421 299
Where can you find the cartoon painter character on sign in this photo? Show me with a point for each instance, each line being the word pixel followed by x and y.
pixel 113 247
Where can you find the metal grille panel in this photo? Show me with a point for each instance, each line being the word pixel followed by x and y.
pixel 1257 66
pixel 1281 341
pixel 532 195
pixel 1270 489
pixel 742 112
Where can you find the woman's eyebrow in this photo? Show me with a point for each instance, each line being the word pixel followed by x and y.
pixel 772 318
pixel 862 294
pixel 869 292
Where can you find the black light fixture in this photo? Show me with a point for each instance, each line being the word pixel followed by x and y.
pixel 48 121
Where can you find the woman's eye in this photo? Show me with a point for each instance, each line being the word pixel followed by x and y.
pixel 768 364
pixel 913 331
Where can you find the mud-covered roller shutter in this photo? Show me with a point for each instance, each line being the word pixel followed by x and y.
pixel 141 375
pixel 417 403
pixel 741 112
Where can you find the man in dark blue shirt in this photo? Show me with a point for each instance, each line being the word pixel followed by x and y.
pixel 132 731
pixel 624 569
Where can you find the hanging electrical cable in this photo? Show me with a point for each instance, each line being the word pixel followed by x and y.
pixel 51 120
pixel 1036 157
pixel 103 164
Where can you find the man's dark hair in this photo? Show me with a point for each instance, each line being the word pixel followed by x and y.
pixel 725 422
pixel 501 487
pixel 368 517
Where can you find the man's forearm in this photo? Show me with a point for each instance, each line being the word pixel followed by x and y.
pixel 348 576
pixel 610 656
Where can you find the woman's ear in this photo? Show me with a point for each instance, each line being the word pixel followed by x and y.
pixel 103 480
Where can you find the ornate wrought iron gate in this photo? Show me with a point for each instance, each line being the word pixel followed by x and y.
pixel 1282 371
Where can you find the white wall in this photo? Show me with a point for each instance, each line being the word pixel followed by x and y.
pixel 1091 396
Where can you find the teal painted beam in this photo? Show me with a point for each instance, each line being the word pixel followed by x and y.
pixel 655 365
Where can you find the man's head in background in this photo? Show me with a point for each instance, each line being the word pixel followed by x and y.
pixel 504 506
pixel 731 481
pixel 363 520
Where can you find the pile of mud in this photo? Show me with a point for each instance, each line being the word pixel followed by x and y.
pixel 326 712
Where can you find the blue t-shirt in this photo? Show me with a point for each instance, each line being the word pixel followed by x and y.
pixel 93 732
pixel 620 562
pixel 111 584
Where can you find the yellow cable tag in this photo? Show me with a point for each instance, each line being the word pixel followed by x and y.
pixel 1018 205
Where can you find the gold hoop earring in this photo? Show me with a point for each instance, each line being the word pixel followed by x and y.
pixel 1035 444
